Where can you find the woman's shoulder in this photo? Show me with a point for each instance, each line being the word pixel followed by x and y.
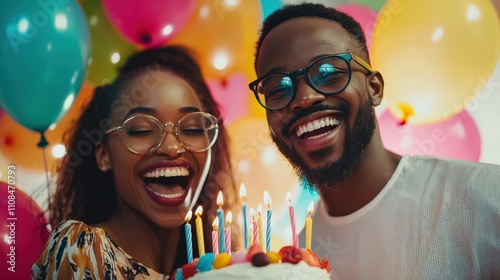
pixel 74 248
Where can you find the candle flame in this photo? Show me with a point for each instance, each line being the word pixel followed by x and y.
pixel 188 216
pixel 259 210
pixel 252 213
pixel 229 217
pixel 267 199
pixel 310 209
pixel 243 192
pixel 199 211
pixel 289 197
pixel 215 224
pixel 220 199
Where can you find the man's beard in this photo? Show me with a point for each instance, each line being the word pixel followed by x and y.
pixel 325 177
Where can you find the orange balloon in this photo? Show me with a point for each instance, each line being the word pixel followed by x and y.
pixel 434 55
pixel 223 33
pixel 259 164
pixel 18 144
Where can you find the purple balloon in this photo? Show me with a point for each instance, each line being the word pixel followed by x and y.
pixel 457 137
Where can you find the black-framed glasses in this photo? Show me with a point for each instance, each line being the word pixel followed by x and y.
pixel 142 134
pixel 329 74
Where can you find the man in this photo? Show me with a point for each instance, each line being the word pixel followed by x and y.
pixel 381 215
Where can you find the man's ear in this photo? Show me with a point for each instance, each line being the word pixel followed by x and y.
pixel 375 86
pixel 102 157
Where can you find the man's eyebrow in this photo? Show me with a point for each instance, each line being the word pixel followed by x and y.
pixel 283 68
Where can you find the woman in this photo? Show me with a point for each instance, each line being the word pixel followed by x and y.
pixel 148 148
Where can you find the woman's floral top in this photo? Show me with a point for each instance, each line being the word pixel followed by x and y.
pixel 76 250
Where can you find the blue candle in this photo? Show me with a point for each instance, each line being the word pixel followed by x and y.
pixel 220 214
pixel 243 196
pixel 268 202
pixel 189 239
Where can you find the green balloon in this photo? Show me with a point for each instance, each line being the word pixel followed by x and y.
pixel 376 5
pixel 109 48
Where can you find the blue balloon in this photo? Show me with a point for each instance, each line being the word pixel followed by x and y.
pixel 44 52
pixel 269 6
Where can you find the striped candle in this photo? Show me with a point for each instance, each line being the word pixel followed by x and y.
pixel 243 196
pixel 215 237
pixel 189 239
pixel 220 215
pixel 259 224
pixel 268 202
pixel 295 239
pixel 255 227
pixel 227 232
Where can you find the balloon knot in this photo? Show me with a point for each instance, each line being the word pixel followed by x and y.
pixel 43 141
pixel 145 38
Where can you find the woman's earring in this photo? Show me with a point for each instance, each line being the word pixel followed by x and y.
pixel 104 168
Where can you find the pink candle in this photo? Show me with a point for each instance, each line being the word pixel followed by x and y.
pixel 295 239
pixel 215 237
pixel 255 227
pixel 227 232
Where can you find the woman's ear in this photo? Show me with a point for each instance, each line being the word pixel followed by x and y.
pixel 102 157
pixel 375 86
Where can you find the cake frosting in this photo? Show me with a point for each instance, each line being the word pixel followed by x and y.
pixel 289 262
pixel 273 271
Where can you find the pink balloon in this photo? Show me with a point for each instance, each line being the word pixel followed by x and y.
pixel 457 137
pixel 23 231
pixel 365 16
pixel 149 23
pixel 232 96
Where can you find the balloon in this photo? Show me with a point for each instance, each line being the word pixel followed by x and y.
pixel 19 144
pixel 149 23
pixel 376 5
pixel 45 52
pixel 226 43
pixel 109 48
pixel 269 6
pixel 457 137
pixel 258 163
pixel 440 58
pixel 328 3
pixel 362 14
pixel 232 96
pixel 24 230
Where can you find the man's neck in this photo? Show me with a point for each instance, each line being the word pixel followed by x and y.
pixel 374 169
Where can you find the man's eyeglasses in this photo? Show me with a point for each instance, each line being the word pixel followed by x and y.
pixel 142 134
pixel 329 74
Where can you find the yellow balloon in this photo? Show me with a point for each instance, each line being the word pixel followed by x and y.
pixel 258 163
pixel 434 55
pixel 223 33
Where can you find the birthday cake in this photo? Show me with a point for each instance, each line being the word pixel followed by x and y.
pixel 288 263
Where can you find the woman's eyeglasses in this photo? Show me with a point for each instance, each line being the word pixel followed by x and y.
pixel 142 134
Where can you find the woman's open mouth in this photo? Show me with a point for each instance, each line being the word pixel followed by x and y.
pixel 168 185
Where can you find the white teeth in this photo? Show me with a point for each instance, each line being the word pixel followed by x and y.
pixel 316 124
pixel 172 195
pixel 167 172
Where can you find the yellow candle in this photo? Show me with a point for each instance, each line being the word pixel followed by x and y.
pixel 199 231
pixel 309 226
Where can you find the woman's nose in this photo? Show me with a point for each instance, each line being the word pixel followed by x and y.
pixel 171 146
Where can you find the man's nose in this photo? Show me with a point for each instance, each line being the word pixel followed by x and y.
pixel 305 95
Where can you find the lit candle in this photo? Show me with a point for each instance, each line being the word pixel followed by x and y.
pixel 199 231
pixel 227 231
pixel 309 225
pixel 268 202
pixel 243 197
pixel 220 215
pixel 255 228
pixel 295 240
pixel 187 231
pixel 215 236
pixel 259 224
